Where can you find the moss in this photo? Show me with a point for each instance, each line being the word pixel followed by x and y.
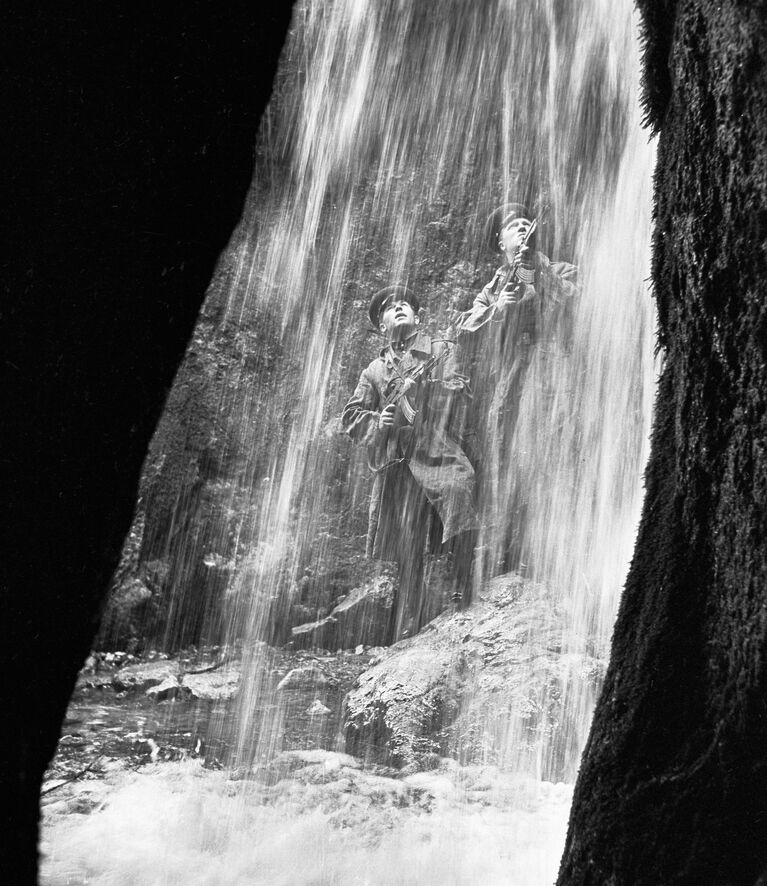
pixel 673 784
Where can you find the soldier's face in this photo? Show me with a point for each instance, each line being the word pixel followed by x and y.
pixel 513 235
pixel 398 318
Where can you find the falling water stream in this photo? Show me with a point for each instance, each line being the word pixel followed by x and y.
pixel 395 128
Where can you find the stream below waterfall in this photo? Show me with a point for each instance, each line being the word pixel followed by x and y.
pixel 136 796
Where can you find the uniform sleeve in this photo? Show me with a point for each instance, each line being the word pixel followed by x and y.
pixel 565 280
pixel 485 307
pixel 481 312
pixel 360 416
pixel 449 385
pixel 453 375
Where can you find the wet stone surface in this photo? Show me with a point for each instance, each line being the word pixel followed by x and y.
pixel 127 713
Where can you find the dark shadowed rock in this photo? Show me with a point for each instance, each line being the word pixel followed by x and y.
pixel 124 613
pixel 459 683
pixel 363 617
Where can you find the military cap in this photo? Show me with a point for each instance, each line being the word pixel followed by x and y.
pixel 499 218
pixel 395 292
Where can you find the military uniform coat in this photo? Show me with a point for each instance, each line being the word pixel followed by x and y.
pixel 500 347
pixel 554 285
pixel 426 467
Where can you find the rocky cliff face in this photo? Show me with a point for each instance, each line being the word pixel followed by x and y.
pixel 204 484
pixel 215 455
pixel 359 180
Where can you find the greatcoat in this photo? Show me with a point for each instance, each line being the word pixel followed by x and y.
pixel 499 347
pixel 497 343
pixel 427 472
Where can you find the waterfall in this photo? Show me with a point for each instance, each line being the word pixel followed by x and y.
pixel 396 128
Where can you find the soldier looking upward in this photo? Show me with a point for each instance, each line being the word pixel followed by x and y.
pixel 516 330
pixel 403 409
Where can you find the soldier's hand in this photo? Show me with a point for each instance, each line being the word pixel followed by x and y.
pixel 509 295
pixel 408 385
pixel 386 418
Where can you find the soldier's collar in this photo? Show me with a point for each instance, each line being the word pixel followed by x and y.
pixel 418 341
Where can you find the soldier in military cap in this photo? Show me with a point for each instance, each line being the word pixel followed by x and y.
pixel 526 274
pixel 423 492
pixel 519 318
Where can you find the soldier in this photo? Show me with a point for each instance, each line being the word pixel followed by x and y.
pixel 527 278
pixel 522 315
pixel 404 410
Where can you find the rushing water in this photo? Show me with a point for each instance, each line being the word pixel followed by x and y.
pixel 397 126
pixel 402 119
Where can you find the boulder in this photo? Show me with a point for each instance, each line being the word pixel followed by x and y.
pixel 92 679
pixel 213 685
pixel 168 689
pixel 314 765
pixel 140 677
pixel 317 709
pixel 320 634
pixel 307 677
pixel 486 684
pixel 363 617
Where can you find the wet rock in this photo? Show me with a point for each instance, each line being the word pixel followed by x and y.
pixel 140 677
pixel 484 684
pixel 305 677
pixel 214 685
pixel 319 634
pixel 305 766
pixel 78 798
pixel 362 617
pixel 330 760
pixel 317 709
pixel 95 679
pixel 168 689
pixel 124 612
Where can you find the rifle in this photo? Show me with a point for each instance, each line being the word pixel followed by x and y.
pixel 512 272
pixel 517 260
pixel 509 272
pixel 383 453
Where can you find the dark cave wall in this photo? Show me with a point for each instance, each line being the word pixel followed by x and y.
pixel 673 784
pixel 131 154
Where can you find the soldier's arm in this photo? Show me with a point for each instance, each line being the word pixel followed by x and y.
pixel 361 417
pixel 481 311
pixel 491 304
pixel 560 290
pixel 449 382
pixel 453 374
pixel 565 280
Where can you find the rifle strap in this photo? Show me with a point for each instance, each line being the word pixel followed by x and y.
pixel 408 412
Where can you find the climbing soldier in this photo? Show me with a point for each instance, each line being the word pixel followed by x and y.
pixel 405 409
